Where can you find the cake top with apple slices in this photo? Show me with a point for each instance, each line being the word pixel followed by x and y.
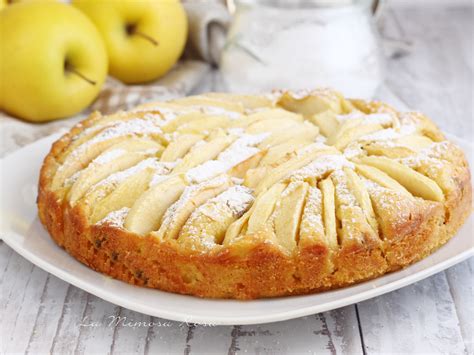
pixel 287 168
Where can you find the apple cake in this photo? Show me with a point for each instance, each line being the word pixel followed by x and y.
pixel 240 196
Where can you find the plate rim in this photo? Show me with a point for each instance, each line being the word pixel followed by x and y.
pixel 233 320
pixel 9 237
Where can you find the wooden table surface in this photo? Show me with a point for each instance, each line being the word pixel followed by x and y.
pixel 433 73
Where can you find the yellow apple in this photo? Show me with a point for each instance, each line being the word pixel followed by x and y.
pixel 144 39
pixel 4 3
pixel 53 61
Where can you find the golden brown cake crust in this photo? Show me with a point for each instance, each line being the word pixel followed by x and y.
pixel 252 267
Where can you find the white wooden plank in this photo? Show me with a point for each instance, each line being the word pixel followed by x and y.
pixel 48 316
pixel 435 76
pixel 344 326
pixel 5 255
pixel 460 279
pixel 209 339
pixel 167 337
pixel 96 337
pixel 325 333
pixel 69 324
pixel 131 330
pixel 427 3
pixel 417 319
pixel 22 287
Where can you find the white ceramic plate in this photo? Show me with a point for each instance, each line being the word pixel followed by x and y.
pixel 21 230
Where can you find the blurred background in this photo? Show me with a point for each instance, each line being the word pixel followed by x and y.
pixel 167 48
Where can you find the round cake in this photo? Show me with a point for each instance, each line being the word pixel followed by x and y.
pixel 240 196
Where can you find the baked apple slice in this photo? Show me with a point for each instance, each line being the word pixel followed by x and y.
pixel 398 148
pixel 381 178
pixel 180 146
pixel 204 101
pixel 235 160
pixel 302 131
pixel 303 157
pixel 415 142
pixel 266 114
pixel 147 211
pixel 208 224
pixel 248 101
pixel 312 225
pixel 193 196
pixel 329 211
pixel 263 208
pixel 86 152
pixel 354 228
pixel 350 131
pixel 308 104
pixel 118 157
pixel 327 122
pixel 204 124
pixel 100 124
pixel 123 188
pixel 202 153
pixel 287 215
pixel 423 125
pixel 270 126
pixel 418 184
pixel 124 195
pixel 282 150
pixel 359 190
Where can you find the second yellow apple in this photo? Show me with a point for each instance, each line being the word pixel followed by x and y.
pixel 144 39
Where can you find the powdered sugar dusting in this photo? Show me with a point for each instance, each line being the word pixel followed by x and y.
pixel 123 128
pixel 236 131
pixel 431 156
pixel 239 151
pixel 321 167
pixel 320 139
pixel 303 93
pixel 157 179
pixel 188 193
pixel 109 156
pixel 236 198
pixel 137 126
pixel 383 119
pixel 222 209
pixel 206 171
pixel 387 199
pixel 312 219
pixel 353 151
pixel 389 134
pixel 343 192
pixel 159 168
pixel 317 144
pixel 87 131
pixel 216 110
pixel 115 218
pixel 168 114
pixel 73 178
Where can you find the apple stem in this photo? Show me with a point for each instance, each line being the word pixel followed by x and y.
pixel 73 70
pixel 145 36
